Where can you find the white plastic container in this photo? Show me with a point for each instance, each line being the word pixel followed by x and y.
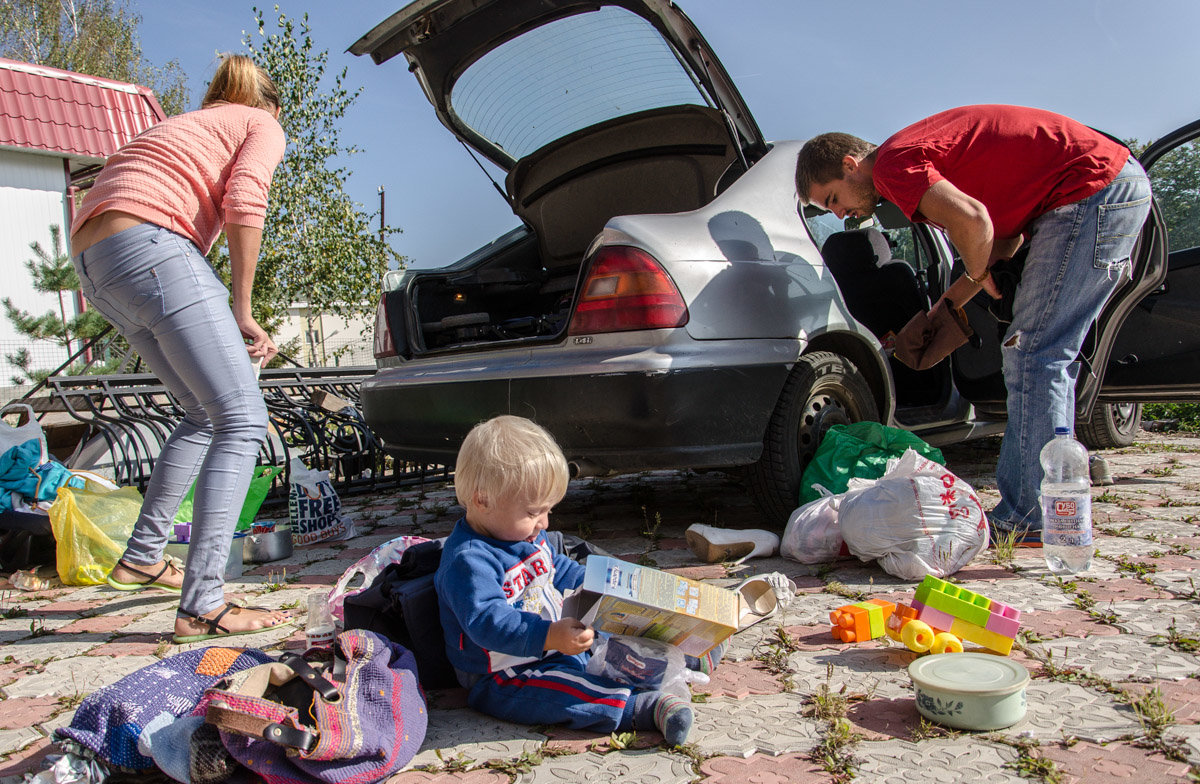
pixel 1066 505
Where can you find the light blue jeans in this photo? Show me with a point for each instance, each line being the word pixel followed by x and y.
pixel 1077 257
pixel 159 291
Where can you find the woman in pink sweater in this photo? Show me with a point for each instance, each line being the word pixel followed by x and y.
pixel 140 240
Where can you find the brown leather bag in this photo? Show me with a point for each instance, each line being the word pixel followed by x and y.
pixel 928 338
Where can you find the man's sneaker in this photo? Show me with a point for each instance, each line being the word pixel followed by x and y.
pixel 1099 472
pixel 1026 537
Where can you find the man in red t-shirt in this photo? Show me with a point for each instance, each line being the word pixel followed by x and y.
pixel 994 177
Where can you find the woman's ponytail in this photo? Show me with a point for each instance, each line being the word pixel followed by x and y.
pixel 239 80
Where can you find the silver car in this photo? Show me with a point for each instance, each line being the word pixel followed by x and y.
pixel 664 304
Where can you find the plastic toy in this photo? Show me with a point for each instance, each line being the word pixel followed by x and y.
pixel 904 627
pixel 862 621
pixel 966 614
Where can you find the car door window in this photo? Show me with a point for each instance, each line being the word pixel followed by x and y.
pixel 1175 178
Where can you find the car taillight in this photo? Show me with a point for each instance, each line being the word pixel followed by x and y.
pixel 384 346
pixel 627 289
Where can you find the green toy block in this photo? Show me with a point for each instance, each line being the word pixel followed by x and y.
pixel 952 600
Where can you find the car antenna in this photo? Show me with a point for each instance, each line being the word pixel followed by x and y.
pixel 488 174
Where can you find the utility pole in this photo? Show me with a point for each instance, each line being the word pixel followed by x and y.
pixel 381 221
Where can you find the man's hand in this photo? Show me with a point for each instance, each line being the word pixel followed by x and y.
pixel 260 343
pixel 569 636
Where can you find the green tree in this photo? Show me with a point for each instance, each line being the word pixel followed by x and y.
pixel 1175 178
pixel 52 273
pixel 97 37
pixel 319 246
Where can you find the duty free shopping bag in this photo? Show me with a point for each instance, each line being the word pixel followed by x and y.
pixel 314 508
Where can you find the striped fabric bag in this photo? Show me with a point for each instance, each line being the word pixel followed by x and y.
pixel 354 719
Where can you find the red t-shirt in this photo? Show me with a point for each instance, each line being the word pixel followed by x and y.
pixel 1019 162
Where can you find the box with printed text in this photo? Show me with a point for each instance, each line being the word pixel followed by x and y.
pixel 624 598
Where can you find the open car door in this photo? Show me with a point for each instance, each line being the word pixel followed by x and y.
pixel 1156 353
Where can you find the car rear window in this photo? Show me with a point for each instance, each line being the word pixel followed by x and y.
pixel 567 75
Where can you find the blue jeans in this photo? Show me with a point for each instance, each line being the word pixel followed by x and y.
pixel 159 291
pixel 1078 254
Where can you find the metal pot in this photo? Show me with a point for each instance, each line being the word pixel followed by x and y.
pixel 264 548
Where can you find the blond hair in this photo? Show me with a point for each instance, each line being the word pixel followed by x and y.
pixel 508 457
pixel 239 80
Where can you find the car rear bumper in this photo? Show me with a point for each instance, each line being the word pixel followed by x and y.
pixel 626 419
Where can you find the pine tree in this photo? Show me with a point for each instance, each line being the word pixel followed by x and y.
pixel 52 273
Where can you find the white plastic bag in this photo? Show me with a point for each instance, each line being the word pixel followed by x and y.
pixel 314 507
pixel 368 568
pixel 917 519
pixel 643 663
pixel 812 534
pixel 11 436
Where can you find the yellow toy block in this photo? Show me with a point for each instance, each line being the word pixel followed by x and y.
pixel 980 636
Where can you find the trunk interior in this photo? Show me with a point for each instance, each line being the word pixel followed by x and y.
pixel 522 287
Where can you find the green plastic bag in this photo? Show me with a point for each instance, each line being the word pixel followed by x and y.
pixel 860 450
pixel 260 485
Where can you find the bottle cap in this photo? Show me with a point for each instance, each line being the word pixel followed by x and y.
pixel 1062 431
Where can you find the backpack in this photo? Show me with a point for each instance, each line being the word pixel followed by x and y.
pixel 401 604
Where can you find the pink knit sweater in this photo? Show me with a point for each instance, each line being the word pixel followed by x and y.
pixel 193 173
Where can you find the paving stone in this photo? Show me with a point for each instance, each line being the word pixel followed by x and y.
pixel 968 760
pixel 17 739
pixel 880 718
pixel 1182 697
pixel 1187 738
pixel 618 767
pixel 763 769
pixel 1122 657
pixel 1088 763
pixel 771 724
pixel 442 777
pixel 28 759
pixel 1064 623
pixel 1152 618
pixel 76 675
pixel 738 680
pixel 17 712
pixel 50 646
pixel 468 734
pixel 99 625
pixel 1056 710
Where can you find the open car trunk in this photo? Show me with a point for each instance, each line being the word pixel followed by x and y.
pixel 523 286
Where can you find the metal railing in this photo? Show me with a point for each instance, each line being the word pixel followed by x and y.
pixel 314 415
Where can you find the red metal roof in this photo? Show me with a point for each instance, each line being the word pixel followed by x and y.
pixel 82 117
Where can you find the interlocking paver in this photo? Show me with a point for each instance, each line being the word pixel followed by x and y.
pixel 1125 626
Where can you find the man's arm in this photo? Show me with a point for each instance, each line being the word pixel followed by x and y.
pixel 244 245
pixel 967 222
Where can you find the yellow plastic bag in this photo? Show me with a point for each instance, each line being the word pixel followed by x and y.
pixel 91 528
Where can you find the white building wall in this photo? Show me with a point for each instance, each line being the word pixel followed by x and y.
pixel 32 198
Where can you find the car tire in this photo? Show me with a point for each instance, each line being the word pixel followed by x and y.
pixel 822 390
pixel 1111 425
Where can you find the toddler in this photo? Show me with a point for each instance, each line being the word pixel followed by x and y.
pixel 500 589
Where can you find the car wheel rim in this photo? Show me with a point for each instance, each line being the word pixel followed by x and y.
pixel 1123 415
pixel 821 412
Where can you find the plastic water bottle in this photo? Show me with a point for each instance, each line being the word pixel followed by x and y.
pixel 1066 505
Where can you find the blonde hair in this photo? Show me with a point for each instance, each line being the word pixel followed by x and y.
pixel 507 457
pixel 239 80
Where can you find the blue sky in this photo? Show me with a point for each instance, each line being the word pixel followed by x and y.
pixel 803 67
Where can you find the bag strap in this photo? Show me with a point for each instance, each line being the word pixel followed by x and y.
pixel 230 720
pixel 310 677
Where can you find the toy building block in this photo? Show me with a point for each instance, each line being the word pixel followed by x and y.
pixel 968 615
pixel 862 621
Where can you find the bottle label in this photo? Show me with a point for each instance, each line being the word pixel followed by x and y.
pixel 1067 520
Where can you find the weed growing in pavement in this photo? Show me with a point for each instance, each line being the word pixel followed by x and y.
pixel 38 629
pixel 1126 566
pixel 1179 549
pixel 1030 764
pixel 1152 712
pixel 163 647
pixel 1166 470
pixel 622 740
pixel 454 764
pixel 835 751
pixel 927 730
pixel 70 701
pixel 1125 531
pixel 1052 670
pixel 1174 639
pixel 13 612
pixel 278 583
pixel 526 761
pixel 1107 497
pixel 585 530
pixel 1004 548
pixel 651 532
pixel 645 559
pixel 773 651
pixel 292 605
pixel 838 589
